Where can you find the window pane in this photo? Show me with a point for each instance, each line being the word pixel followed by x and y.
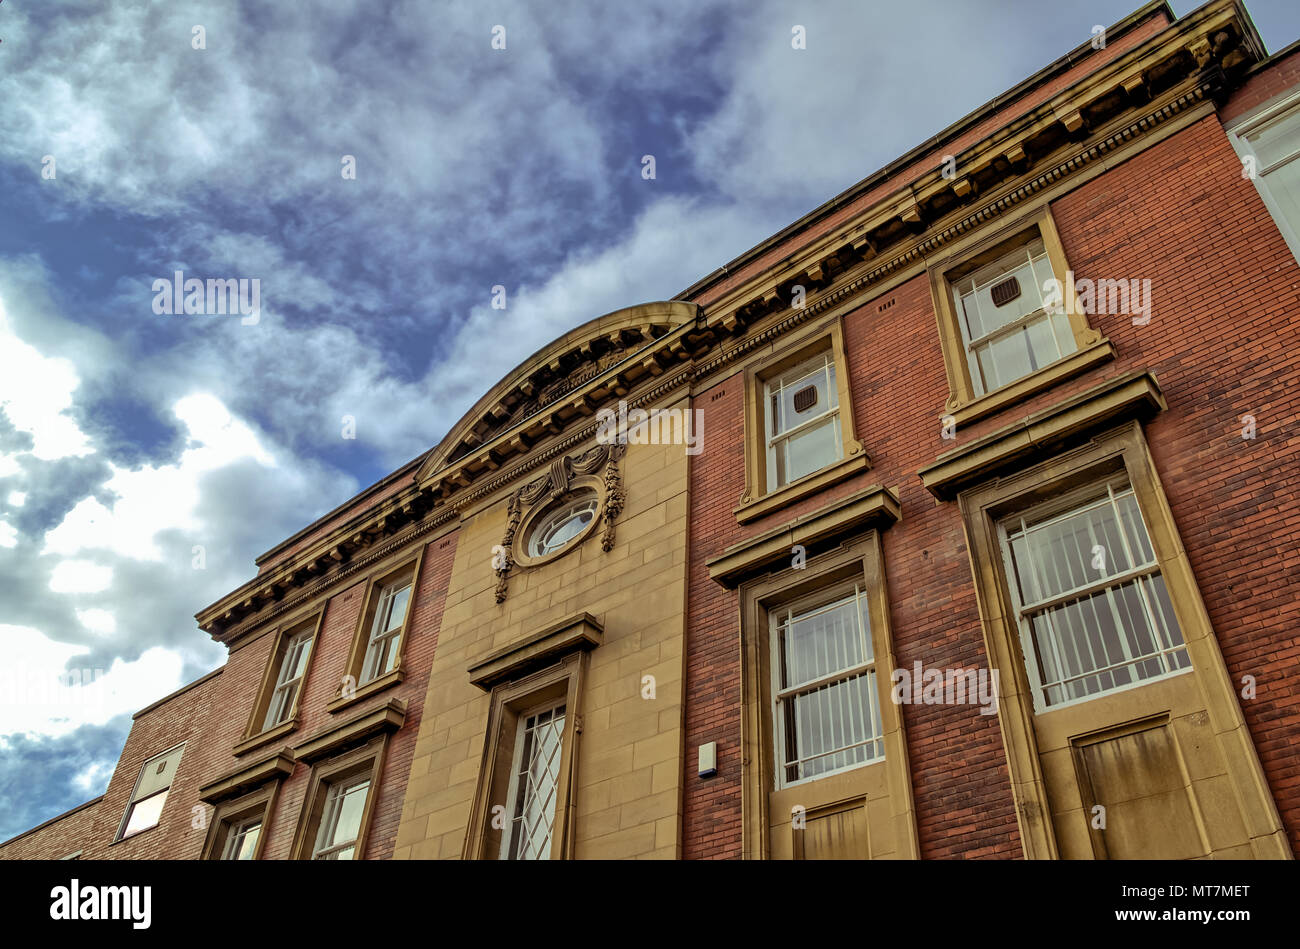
pixel 983 315
pixel 1008 359
pixel 1018 352
pixel 157 773
pixel 833 727
pixel 297 660
pixel 808 450
pixel 534 786
pixel 281 702
pixel 380 656
pixel 349 820
pixel 1041 342
pixel 242 842
pixel 1277 140
pixel 341 818
pixel 397 608
pixel 821 642
pixel 1112 636
pixel 563 525
pixel 1284 188
pixel 145 814
pixel 820 376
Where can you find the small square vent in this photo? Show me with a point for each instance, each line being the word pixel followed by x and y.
pixel 1006 291
pixel 805 398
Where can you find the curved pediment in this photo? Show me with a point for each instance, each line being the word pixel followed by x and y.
pixel 557 369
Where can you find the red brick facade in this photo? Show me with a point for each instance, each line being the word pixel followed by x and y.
pixel 1223 342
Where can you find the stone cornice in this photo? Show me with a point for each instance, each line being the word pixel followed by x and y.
pixel 540 398
pixel 248 776
pixel 1133 395
pixel 1210 50
pixel 875 506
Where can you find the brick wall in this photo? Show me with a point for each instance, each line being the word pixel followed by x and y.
pixel 1222 342
pixel 186 716
pixel 57 837
pixel 327 665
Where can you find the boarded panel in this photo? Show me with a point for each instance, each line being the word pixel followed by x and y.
pixel 1150 812
pixel 839 834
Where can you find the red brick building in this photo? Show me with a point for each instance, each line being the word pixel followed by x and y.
pixel 1006 429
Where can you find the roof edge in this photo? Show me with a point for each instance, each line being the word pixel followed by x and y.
pixel 183 689
pixel 908 158
pixel 53 820
pixel 364 493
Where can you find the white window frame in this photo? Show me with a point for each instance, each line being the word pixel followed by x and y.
pixel 774 441
pixel 1239 133
pixel 1050 512
pixel 517 802
pixel 978 385
pixel 589 501
pixel 163 792
pixel 329 818
pixel 783 698
pixel 237 832
pixel 379 636
pixel 301 642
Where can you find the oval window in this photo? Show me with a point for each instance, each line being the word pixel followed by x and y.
pixel 560 526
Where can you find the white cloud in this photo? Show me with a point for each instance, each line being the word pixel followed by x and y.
pixel 8 535
pixel 17 498
pixel 35 390
pixel 152 499
pixel 39 695
pixel 80 576
pixel 98 621
pixel 94 777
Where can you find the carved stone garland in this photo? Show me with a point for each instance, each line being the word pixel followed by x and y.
pixel 555 483
pixel 613 496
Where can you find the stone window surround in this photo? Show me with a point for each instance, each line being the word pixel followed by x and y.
pixel 964 404
pixel 254 735
pixel 550 664
pixel 402 562
pixel 759 498
pixel 1056 467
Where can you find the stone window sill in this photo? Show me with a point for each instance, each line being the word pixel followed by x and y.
pixel 266 737
pixel 1072 365
pixel 841 470
pixel 365 691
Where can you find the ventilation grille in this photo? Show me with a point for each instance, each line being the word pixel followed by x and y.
pixel 805 398
pixel 1006 291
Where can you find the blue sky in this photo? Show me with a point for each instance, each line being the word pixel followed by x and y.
pixel 128 438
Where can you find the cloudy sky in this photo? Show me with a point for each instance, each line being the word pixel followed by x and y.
pixel 130 439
